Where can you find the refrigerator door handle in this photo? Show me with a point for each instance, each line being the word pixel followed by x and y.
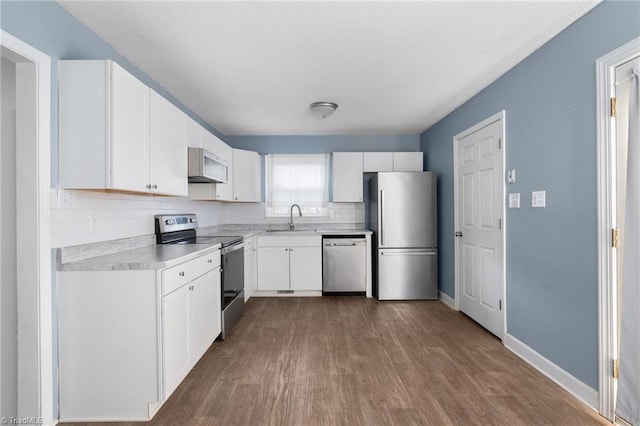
pixel 381 221
pixel 408 253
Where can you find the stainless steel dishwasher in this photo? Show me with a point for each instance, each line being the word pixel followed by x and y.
pixel 344 264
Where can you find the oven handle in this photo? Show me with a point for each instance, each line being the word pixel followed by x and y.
pixel 232 248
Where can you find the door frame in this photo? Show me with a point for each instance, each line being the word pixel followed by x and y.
pixel 500 116
pixel 35 328
pixel 605 90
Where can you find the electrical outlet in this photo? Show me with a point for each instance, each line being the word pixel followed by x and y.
pixel 514 200
pixel 511 176
pixel 538 199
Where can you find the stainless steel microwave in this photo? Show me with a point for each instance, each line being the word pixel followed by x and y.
pixel 206 167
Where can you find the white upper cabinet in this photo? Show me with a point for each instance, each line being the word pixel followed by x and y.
pixel 193 133
pixel 392 161
pixel 168 153
pixel 246 176
pixel 105 139
pixel 224 191
pixel 127 122
pixel 407 161
pixel 347 177
pixel 377 161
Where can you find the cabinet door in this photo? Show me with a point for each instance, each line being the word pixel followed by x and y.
pixel 407 161
pixel 168 152
pixel 246 176
pixel 250 267
pixel 224 191
pixel 377 161
pixel 193 133
pixel 204 313
pixel 305 266
pixel 347 177
pixel 273 268
pixel 129 121
pixel 175 338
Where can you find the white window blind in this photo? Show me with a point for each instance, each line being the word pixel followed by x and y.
pixel 297 178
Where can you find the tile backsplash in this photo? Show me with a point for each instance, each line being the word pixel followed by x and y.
pixel 87 216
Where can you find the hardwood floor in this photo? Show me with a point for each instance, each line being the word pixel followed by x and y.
pixel 351 360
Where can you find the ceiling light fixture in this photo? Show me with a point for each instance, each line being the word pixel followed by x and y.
pixel 323 109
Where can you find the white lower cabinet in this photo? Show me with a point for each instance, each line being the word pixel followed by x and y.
pixel 290 263
pixel 191 321
pixel 127 338
pixel 250 267
pixel 175 340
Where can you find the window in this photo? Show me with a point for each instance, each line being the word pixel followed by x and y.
pixel 297 178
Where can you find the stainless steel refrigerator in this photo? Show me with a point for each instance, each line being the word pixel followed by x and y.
pixel 402 215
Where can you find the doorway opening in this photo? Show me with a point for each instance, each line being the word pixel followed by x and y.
pixel 26 379
pixel 612 76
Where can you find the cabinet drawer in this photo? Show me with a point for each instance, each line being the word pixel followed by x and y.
pixel 204 264
pixel 176 277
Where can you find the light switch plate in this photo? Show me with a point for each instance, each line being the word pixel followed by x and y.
pixel 538 199
pixel 511 176
pixel 514 200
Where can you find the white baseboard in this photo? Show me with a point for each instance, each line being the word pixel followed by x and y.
pixel 568 382
pixel 447 300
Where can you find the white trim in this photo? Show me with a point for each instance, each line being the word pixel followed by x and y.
pixel 42 321
pixel 568 382
pixel 605 90
pixel 447 300
pixel 500 116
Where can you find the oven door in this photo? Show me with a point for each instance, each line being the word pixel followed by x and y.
pixel 232 272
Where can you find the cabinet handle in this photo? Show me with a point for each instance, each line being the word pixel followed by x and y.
pixel 155 186
pixel 235 198
pixel 290 249
pixel 190 287
pixel 210 261
pixel 148 186
pixel 181 273
pixel 217 196
pixel 286 249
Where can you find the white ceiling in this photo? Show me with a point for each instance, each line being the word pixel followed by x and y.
pixel 394 68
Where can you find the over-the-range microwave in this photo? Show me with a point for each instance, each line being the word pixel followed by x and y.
pixel 206 167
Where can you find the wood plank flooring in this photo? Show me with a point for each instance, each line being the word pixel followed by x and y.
pixel 351 360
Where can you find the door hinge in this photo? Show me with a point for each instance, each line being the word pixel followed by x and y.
pixel 616 368
pixel 500 304
pixel 499 223
pixel 614 107
pixel 614 238
pixel 499 143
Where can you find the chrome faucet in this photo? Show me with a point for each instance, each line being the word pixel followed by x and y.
pixel 291 225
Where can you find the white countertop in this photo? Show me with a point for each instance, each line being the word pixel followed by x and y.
pixel 155 256
pixel 158 256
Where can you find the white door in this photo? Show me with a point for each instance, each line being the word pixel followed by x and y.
pixel 273 268
pixel 168 151
pixel 347 177
pixel 204 313
pixel 175 338
pixel 479 213
pixel 128 154
pixel 407 161
pixel 246 176
pixel 305 268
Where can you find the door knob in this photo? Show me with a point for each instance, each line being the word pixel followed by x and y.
pixel 458 234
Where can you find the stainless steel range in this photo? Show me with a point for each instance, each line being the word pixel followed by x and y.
pixel 181 229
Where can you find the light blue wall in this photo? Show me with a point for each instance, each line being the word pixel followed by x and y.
pixel 549 100
pixel 46 26
pixel 321 144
